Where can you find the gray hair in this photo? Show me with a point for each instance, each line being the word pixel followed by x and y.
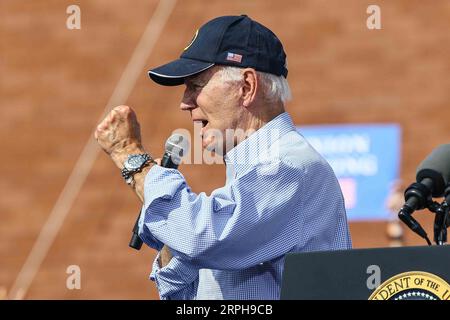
pixel 275 88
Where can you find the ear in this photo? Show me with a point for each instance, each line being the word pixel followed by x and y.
pixel 250 86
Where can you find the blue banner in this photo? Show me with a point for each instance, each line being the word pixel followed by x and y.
pixel 366 161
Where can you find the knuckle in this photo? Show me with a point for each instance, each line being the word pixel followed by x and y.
pixel 123 109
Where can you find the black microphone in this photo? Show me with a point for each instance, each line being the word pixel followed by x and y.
pixel 432 176
pixel 447 201
pixel 175 148
pixel 437 168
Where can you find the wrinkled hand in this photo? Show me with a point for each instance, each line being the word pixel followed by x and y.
pixel 119 134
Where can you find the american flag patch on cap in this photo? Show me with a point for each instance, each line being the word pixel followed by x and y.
pixel 234 57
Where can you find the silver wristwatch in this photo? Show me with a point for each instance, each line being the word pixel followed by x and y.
pixel 135 163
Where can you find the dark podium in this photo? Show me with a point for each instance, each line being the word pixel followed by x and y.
pixel 408 273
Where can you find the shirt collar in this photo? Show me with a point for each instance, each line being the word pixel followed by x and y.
pixel 247 153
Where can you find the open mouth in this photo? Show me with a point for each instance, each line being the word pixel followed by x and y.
pixel 202 121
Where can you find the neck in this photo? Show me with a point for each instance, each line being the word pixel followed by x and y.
pixel 256 117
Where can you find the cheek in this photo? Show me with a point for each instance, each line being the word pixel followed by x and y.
pixel 205 103
pixel 219 106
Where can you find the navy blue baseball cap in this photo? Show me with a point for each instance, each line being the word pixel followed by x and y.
pixel 236 41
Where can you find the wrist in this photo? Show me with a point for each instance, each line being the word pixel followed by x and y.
pixel 121 155
pixel 133 165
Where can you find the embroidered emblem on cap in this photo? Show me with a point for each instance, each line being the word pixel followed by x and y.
pixel 234 57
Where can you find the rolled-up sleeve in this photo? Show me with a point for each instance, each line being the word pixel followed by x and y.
pixel 175 281
pixel 244 223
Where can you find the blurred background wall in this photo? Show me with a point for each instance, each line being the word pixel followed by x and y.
pixel 55 84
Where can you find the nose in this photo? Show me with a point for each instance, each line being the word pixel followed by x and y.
pixel 185 106
pixel 188 101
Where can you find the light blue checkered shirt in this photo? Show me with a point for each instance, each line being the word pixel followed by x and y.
pixel 280 196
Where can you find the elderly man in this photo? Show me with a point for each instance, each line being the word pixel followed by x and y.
pixel 285 198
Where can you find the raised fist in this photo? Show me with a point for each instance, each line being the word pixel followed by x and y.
pixel 119 134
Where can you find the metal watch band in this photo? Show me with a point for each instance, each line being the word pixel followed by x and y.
pixel 128 174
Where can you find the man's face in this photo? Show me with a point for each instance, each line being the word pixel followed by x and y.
pixel 213 103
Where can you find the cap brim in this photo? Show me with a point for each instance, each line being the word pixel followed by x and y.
pixel 174 73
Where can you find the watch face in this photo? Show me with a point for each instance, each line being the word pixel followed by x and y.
pixel 134 162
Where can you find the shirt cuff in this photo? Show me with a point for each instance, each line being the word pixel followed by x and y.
pixel 160 184
pixel 178 280
pixel 145 235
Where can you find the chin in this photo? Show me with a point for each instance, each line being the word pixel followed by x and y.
pixel 212 147
pixel 209 147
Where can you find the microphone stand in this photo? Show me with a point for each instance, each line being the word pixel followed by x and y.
pixel 446 220
pixel 440 221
